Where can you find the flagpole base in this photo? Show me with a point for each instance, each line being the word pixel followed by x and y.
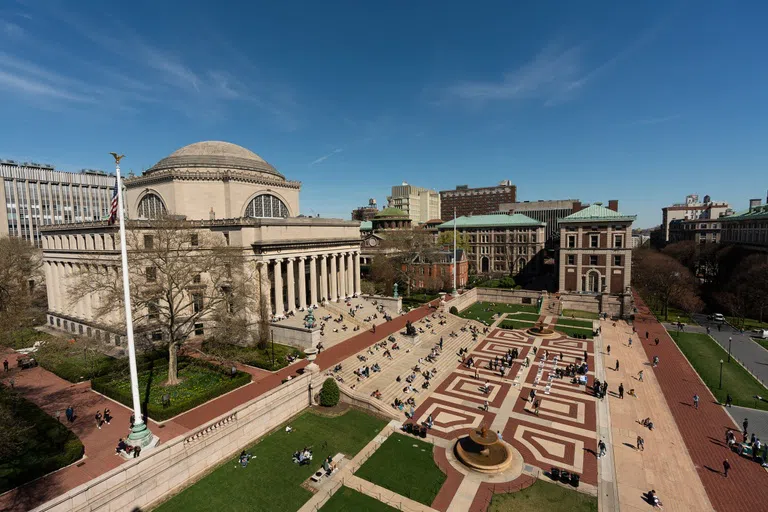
pixel 141 436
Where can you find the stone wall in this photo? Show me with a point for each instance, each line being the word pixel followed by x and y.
pixel 501 295
pixel 463 301
pixel 295 336
pixel 167 469
pixel 614 305
pixel 367 403
pixel 391 304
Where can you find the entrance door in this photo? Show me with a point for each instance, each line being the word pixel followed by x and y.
pixel 593 282
pixel 485 265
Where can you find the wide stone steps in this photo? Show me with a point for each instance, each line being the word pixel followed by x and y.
pixel 336 310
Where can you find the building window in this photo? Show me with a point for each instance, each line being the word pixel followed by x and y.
pixel 194 240
pixel 594 241
pixel 149 242
pixel 157 335
pixel 618 241
pixel 571 259
pixel 199 331
pixel 197 302
pixel 196 279
pixel 266 205
pixel 151 207
pixel 151 274
pixel 617 261
pixel 571 241
pixel 593 260
pixel 153 312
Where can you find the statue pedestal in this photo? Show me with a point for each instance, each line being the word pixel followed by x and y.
pixel 312 367
pixel 414 338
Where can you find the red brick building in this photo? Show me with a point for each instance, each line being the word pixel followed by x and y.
pixel 476 201
pixel 437 272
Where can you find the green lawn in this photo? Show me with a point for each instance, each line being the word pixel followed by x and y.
pixel 763 343
pixel 34 443
pixel 673 315
pixel 22 338
pixel 544 497
pixel 404 465
pixel 570 322
pixel 484 311
pixel 570 331
pixel 526 317
pixel 705 354
pixel 272 481
pixel 580 314
pixel 200 382
pixel 76 361
pixel 349 500
pixel 252 356
pixel 516 324
pixel 749 323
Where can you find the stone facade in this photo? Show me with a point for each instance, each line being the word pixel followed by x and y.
pixel 701 231
pixel 748 228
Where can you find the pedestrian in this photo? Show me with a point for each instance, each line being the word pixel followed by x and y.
pixel 617 365
pixel 5 365
pixel 441 343
pixel 726 467
pixel 136 451
pixel 630 342
pixel 374 330
pixel 640 444
pixel 532 395
pixel 621 391
pixel 656 341
pixel 70 414
pixel 98 419
pixel 477 373
pixel 640 375
pixel 646 335
pixel 536 404
pixel 601 447
pixel 696 401
pixel 133 419
pixel 707 330
pixel 107 415
pixel 745 424
pixel 485 406
pixel 605 389
pixel 609 350
pixel 728 400
pixel 585 356
pixel 58 415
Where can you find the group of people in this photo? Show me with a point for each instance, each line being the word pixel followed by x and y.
pixel 302 457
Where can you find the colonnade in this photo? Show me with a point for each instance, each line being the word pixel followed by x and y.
pixel 301 281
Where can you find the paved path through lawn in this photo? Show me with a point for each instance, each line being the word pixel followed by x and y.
pixel 702 430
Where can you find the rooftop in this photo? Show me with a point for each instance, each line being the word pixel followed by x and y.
pixel 391 212
pixel 215 154
pixel 492 221
pixel 755 212
pixel 366 225
pixel 598 212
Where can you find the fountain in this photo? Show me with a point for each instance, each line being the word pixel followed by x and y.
pixel 483 451
pixel 541 331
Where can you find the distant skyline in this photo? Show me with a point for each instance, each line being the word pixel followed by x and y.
pixel 644 102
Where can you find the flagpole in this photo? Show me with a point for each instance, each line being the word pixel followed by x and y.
pixel 140 434
pixel 455 263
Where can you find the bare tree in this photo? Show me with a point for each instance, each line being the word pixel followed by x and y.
pixel 665 280
pixel 21 303
pixel 180 277
pixel 409 246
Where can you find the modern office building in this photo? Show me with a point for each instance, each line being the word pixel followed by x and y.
pixel 232 193
pixel 36 195
pixel 596 251
pixel 419 204
pixel 548 211
pixel 748 228
pixel 475 201
pixel 502 244
pixel 365 213
pixel 691 209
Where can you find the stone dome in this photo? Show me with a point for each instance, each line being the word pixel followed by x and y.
pixel 216 155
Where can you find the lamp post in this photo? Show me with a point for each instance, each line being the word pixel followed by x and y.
pixel 721 374
pixel 455 263
pixel 730 339
pixel 140 434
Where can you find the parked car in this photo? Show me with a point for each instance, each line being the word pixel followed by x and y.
pixel 717 317
pixel 760 333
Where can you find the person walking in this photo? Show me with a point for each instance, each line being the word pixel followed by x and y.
pixel 696 401
pixel 728 400
pixel 536 404
pixel 656 341
pixel 609 350
pixel 107 415
pixel 630 342
pixel 98 419
pixel 646 335
pixel 601 447
pixel 621 391
pixel 640 375
pixel 640 444
pixel 70 414
pixel 708 330
pixel 136 451
pixel 5 365
pixel 745 424
pixel 617 365
pixel 726 467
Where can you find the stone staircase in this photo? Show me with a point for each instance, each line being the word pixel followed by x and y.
pixel 550 306
pixel 335 310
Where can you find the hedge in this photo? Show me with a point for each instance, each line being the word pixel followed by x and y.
pixel 329 395
pixel 158 413
pixel 454 311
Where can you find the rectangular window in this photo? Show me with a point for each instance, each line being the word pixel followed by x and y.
pixel 593 260
pixel 226 238
pixel 157 335
pixel 196 279
pixel 197 302
pixel 571 259
pixel 199 330
pixel 571 241
pixel 151 274
pixel 153 312
pixel 194 239
pixel 618 241
pixel 617 261
pixel 149 242
pixel 594 241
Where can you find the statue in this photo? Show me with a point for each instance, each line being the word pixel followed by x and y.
pixel 395 290
pixel 117 158
pixel 309 319
pixel 410 330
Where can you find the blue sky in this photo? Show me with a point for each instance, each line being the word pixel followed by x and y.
pixel 644 102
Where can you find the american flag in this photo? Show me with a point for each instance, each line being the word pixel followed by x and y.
pixel 113 206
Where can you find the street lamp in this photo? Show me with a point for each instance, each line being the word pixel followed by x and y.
pixel 721 374
pixel 730 339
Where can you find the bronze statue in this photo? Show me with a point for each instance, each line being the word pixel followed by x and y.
pixel 410 330
pixel 117 158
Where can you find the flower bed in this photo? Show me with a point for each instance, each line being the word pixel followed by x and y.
pixel 252 356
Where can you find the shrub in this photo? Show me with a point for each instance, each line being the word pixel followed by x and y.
pixel 329 395
pixel 454 310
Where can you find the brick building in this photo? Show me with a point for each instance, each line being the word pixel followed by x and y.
pixel 476 201
pixel 435 272
pixel 365 213
pixel 701 231
pixel 595 251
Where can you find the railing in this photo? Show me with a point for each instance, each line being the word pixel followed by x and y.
pixel 231 419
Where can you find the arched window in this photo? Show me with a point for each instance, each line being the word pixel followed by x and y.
pixel 151 207
pixel 266 205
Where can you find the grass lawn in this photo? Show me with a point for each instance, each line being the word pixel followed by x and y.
pixel 349 500
pixel 386 467
pixel 34 443
pixel 586 324
pixel 705 354
pixel 749 323
pixel 763 343
pixel 570 331
pixel 580 314
pixel 672 314
pixel 272 481
pixel 526 317
pixel 200 382
pixel 544 497
pixel 417 299
pixel 516 324
pixel 76 361
pixel 484 311
pixel 22 338
pixel 252 356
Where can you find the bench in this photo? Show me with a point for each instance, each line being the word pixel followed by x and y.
pixel 320 473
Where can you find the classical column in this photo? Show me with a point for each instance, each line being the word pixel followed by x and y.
pixel 53 285
pixel 324 277
pixel 302 284
pixel 348 275
pixel 313 281
pixel 358 288
pixel 334 280
pixel 264 285
pixel 291 284
pixel 279 305
pixel 88 306
pixel 342 276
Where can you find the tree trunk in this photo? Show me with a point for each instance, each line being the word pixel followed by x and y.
pixel 173 364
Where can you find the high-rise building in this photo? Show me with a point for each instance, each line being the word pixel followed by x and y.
pixel 36 195
pixel 365 213
pixel 691 209
pixel 547 211
pixel 420 204
pixel 476 201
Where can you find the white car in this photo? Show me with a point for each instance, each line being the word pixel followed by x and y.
pixel 760 333
pixel 718 317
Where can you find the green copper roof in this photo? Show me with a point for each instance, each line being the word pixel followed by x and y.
pixel 491 221
pixel 366 225
pixel 756 212
pixel 391 212
pixel 597 212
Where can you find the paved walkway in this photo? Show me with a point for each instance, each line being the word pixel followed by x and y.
pixel 702 430
pixel 665 464
pixel 52 393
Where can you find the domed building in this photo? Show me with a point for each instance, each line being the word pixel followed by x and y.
pixel 231 191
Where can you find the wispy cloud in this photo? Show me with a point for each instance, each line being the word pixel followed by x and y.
pixel 325 157
pixel 11 30
pixel 656 120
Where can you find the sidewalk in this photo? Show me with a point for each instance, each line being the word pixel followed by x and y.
pixel 703 430
pixel 52 393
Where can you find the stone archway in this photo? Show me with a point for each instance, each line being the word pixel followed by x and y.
pixel 485 265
